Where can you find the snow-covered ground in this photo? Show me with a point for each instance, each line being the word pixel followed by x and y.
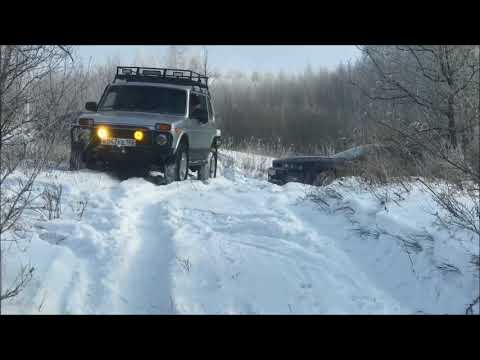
pixel 239 245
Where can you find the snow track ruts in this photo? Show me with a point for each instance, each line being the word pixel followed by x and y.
pixel 238 245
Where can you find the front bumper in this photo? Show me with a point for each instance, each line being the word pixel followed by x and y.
pixel 144 151
pixel 147 153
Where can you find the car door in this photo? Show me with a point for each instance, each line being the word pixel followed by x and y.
pixel 210 129
pixel 198 131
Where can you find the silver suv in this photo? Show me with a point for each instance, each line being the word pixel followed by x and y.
pixel 153 119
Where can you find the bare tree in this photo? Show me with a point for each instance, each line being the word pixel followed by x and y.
pixel 440 81
pixel 35 95
pixel 175 57
pixel 205 68
pixel 430 97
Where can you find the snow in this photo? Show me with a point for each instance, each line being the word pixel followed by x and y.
pixel 239 245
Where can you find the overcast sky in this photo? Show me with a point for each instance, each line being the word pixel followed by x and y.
pixel 263 58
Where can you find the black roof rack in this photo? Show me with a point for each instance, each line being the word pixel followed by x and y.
pixel 163 75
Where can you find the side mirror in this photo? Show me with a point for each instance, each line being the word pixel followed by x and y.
pixel 201 115
pixel 91 106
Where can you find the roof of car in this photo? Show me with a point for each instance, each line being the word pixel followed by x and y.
pixel 135 83
pixel 176 78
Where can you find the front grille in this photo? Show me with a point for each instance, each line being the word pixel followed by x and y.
pixel 127 133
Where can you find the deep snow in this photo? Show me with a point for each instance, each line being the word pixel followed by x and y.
pixel 239 245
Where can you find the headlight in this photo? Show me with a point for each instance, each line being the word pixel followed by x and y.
pixel 138 135
pixel 161 139
pixel 102 133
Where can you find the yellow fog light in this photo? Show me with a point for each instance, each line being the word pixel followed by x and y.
pixel 138 135
pixel 102 133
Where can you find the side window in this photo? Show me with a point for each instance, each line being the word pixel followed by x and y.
pixel 210 110
pixel 197 102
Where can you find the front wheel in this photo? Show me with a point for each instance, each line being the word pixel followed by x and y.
pixel 178 170
pixel 209 170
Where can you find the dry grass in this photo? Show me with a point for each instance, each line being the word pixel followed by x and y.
pixel 275 149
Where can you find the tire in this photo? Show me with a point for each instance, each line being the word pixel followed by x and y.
pixel 320 179
pixel 178 170
pixel 209 170
pixel 76 158
pixel 324 178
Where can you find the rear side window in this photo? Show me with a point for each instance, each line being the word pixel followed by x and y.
pixel 197 102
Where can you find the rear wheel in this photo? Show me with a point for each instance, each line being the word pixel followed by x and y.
pixel 209 170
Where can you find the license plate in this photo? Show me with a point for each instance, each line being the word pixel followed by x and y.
pixel 119 142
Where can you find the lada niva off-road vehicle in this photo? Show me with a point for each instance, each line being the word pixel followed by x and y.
pixel 151 118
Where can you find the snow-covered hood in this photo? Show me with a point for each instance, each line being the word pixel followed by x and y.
pixel 132 118
pixel 304 159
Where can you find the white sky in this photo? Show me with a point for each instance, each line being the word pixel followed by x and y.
pixel 247 58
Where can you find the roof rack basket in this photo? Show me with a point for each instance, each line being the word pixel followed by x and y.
pixel 163 75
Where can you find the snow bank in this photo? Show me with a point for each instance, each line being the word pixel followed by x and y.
pixel 240 245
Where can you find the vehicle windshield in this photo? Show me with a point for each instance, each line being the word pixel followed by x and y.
pixel 145 99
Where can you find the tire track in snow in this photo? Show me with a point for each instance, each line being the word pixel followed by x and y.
pixel 145 280
pixel 138 277
pixel 125 254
